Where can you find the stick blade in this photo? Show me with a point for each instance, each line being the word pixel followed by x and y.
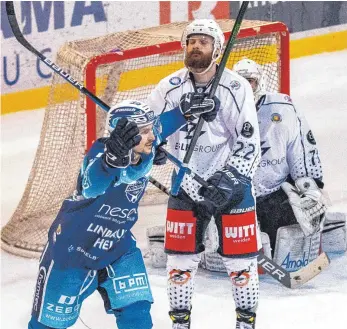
pixel 308 272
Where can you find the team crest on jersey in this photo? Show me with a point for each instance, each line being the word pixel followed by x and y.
pixel 175 81
pixel 276 117
pixel 134 190
pixel 235 85
pixel 247 130
pixel 310 138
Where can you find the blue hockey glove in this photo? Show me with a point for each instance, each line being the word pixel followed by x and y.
pixel 119 146
pixel 192 105
pixel 226 188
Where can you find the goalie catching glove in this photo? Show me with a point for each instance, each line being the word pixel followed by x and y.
pixel 118 148
pixel 226 188
pixel 308 204
pixel 192 105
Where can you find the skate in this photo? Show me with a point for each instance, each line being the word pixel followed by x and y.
pixel 180 319
pixel 245 319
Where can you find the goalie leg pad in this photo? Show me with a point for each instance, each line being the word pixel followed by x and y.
pixel 181 270
pixel 245 281
pixel 238 234
pixel 293 249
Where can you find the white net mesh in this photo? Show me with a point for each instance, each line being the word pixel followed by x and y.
pixel 115 67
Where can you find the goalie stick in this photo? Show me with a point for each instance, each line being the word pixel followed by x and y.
pixel 218 75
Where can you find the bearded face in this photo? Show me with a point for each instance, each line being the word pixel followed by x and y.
pixel 196 59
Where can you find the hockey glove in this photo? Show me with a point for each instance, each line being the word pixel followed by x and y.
pixel 225 188
pixel 160 157
pixel 192 105
pixel 119 146
pixel 308 204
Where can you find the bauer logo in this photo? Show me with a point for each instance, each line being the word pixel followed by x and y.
pixel 175 81
pixel 132 282
pixel 294 264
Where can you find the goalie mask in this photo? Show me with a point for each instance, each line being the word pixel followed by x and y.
pixel 135 111
pixel 204 27
pixel 251 70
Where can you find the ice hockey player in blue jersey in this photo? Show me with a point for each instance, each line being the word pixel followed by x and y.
pixel 90 246
pixel 289 177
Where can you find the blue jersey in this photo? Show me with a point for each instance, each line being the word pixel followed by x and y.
pixel 92 228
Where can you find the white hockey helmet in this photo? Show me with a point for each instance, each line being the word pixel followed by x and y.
pixel 205 27
pixel 135 111
pixel 249 69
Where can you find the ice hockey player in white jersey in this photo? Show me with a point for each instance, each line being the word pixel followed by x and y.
pixel 289 178
pixel 226 155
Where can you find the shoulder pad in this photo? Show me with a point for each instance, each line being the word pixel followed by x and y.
pixel 277 98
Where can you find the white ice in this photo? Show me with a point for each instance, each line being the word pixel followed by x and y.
pixel 319 88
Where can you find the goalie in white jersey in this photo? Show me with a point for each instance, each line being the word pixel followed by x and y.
pixel 290 167
pixel 226 155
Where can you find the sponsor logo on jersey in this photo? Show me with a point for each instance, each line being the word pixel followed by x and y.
pixel 179 228
pixel 114 214
pixel 271 162
pixel 105 242
pixel 241 278
pixel 235 85
pixel 240 232
pixel 127 283
pixel 276 117
pixel 41 279
pixel 179 277
pixel 294 264
pixel 134 190
pixel 65 306
pixel 310 138
pixel 199 148
pixel 175 81
pixel 264 149
pixel 247 130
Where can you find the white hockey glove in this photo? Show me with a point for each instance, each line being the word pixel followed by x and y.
pixel 155 241
pixel 308 203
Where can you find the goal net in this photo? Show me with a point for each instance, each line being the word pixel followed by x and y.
pixel 118 66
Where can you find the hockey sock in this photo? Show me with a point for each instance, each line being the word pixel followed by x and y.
pixel 245 281
pixel 181 270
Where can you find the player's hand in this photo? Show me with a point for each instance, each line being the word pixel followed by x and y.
pixel 160 157
pixel 119 146
pixel 225 188
pixel 192 105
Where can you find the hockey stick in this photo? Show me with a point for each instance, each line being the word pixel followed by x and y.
pixel 297 278
pixel 20 38
pixel 218 75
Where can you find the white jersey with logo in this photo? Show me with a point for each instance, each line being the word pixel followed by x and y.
pixel 232 138
pixel 287 145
